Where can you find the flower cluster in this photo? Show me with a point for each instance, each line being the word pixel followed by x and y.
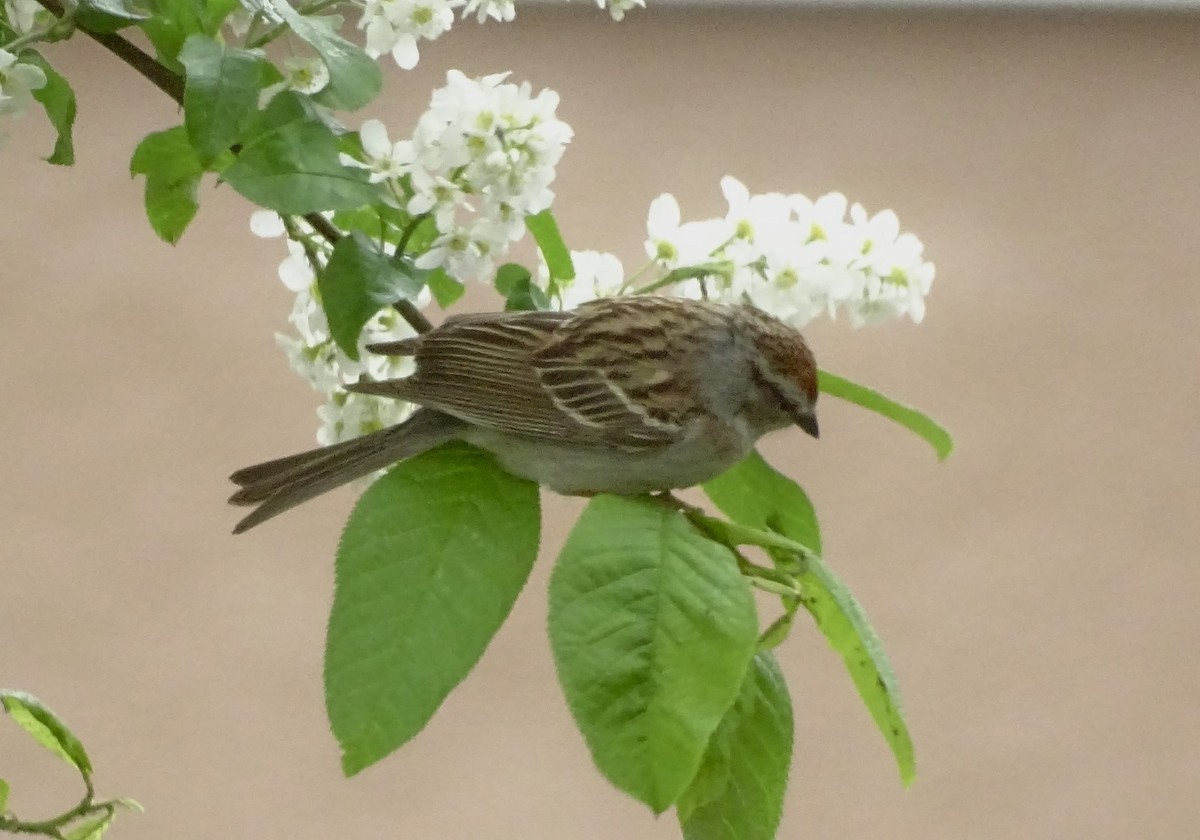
pixel 315 356
pixel 393 26
pixel 480 160
pixel 794 257
pixel 396 27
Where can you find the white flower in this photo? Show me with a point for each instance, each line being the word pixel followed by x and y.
pixel 482 159
pixel 468 251
pixel 672 244
pixel 597 275
pixel 296 270
pixel 618 8
pixel 23 15
pixel 267 224
pixel 385 160
pixel 795 257
pixel 501 10
pixel 306 75
pixel 17 83
pixel 393 26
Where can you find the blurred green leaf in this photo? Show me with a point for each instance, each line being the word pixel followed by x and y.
pixel 515 283
pixel 172 173
pixel 378 221
pixel 107 15
pixel 446 290
pixel 554 250
pixel 172 21
pixel 652 628
pixel 290 164
pixel 358 281
pixel 57 98
pixel 738 793
pixel 218 10
pixel 753 493
pixel 4 791
pixel 909 418
pixel 92 828
pixel 431 561
pixel 47 728
pixel 220 95
pixel 842 621
pixel 354 77
pixel 509 276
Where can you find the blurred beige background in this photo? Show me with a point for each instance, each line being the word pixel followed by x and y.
pixel 1037 592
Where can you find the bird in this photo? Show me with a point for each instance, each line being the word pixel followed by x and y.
pixel 626 395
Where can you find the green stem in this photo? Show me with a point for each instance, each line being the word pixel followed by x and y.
pixel 409 231
pixel 690 272
pixel 732 533
pixel 21 42
pixel 52 827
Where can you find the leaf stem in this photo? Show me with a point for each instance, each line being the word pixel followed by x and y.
pixel 409 230
pixel 53 827
pixel 19 43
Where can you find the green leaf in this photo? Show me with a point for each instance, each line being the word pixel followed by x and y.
pixel 509 276
pixel 359 280
pixel 291 164
pixel 431 561
pixel 845 627
pixel 377 221
pixel 515 283
pixel 170 24
pixel 218 10
pixel 652 628
pixel 107 15
pixel 446 290
pixel 354 77
pixel 58 100
pixel 909 418
pixel 755 494
pixel 4 791
pixel 47 728
pixel 172 173
pixel 738 793
pixel 220 94
pixel 558 257
pixel 92 828
pixel 173 21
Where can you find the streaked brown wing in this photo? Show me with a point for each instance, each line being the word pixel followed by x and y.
pixel 624 367
pixel 477 367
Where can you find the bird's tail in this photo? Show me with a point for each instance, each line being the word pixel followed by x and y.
pixel 279 485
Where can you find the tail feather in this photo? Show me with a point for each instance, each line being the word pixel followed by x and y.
pixel 281 484
pixel 401 347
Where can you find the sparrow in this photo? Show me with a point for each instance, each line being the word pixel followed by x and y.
pixel 625 395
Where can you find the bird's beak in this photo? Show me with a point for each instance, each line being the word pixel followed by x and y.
pixel 808 422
